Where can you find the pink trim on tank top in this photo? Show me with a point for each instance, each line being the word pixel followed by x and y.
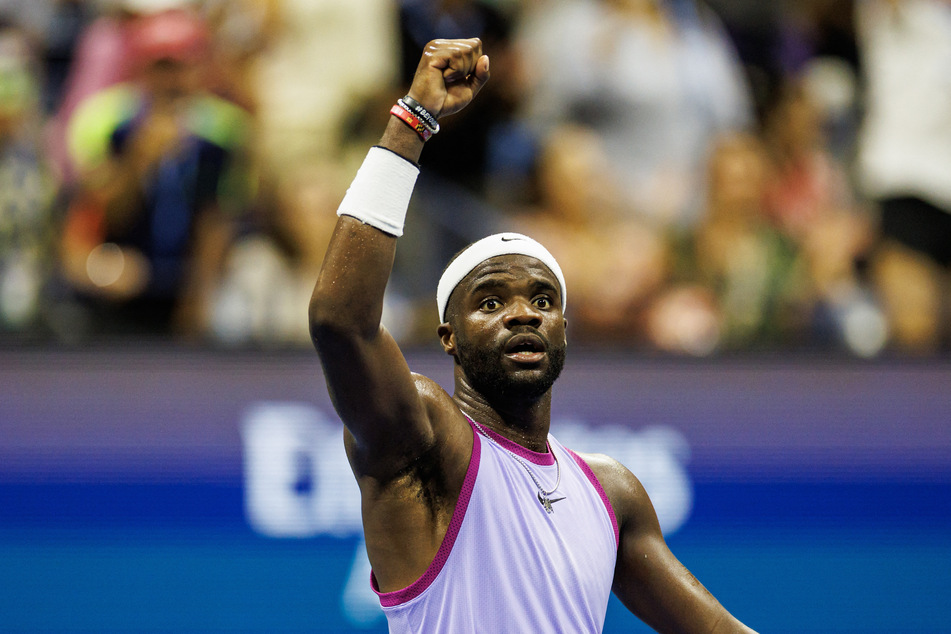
pixel 397 597
pixel 600 489
pixel 542 459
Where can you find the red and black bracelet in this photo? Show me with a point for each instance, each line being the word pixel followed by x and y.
pixel 410 119
pixel 420 112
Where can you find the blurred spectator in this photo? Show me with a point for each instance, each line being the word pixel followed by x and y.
pixel 814 29
pixel 67 22
pixel 161 163
pixel 613 264
pixel 53 27
pixel 242 31
pixel 904 162
pixel 656 79
pixel 307 96
pixel 796 38
pixel 810 199
pixel 269 275
pixel 27 189
pixel 817 45
pixel 100 59
pixel 743 284
pixel 311 80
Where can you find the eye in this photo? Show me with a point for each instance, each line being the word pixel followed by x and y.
pixel 490 304
pixel 543 302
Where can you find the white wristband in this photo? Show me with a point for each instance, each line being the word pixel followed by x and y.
pixel 380 192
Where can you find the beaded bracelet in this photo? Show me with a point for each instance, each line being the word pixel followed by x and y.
pixel 421 112
pixel 409 119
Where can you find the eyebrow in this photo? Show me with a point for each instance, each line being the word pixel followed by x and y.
pixel 491 282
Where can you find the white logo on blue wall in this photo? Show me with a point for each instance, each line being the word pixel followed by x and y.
pixel 297 479
pixel 298 483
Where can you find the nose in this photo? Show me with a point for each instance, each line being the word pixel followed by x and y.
pixel 523 313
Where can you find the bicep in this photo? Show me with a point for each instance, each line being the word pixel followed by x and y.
pixel 372 389
pixel 369 381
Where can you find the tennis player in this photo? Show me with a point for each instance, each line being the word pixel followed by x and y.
pixel 476 518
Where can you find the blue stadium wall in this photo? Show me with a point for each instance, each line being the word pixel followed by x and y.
pixel 178 491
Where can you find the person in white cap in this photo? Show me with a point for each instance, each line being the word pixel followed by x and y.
pixel 476 518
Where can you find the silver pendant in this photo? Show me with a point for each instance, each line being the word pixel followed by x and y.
pixel 546 502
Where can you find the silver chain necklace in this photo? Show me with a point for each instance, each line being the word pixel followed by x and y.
pixel 544 497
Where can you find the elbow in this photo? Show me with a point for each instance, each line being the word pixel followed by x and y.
pixel 328 303
pixel 323 320
pixel 326 332
pixel 319 312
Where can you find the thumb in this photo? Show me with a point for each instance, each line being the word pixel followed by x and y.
pixel 481 74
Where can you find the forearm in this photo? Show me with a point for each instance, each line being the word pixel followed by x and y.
pixel 676 602
pixel 729 624
pixel 359 260
pixel 348 297
pixel 649 580
pixel 400 139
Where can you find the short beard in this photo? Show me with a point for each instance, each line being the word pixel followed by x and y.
pixel 488 378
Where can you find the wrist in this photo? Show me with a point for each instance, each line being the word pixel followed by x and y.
pixel 423 114
pixel 402 112
pixel 379 194
pixel 400 139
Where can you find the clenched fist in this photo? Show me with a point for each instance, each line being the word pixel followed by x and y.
pixel 449 75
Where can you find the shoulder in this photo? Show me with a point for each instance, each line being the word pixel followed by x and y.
pixel 219 121
pixel 96 118
pixel 436 401
pixel 429 389
pixel 118 101
pixel 437 461
pixel 450 426
pixel 447 432
pixel 452 433
pixel 626 493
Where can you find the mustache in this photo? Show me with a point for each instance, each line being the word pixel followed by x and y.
pixel 525 334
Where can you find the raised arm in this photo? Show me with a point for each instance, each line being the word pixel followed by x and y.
pixel 648 579
pixel 369 381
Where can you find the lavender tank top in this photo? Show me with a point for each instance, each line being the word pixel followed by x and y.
pixel 506 565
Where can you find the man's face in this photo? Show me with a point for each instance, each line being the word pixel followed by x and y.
pixel 509 328
pixel 169 80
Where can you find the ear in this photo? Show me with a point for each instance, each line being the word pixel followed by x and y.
pixel 447 338
pixel 566 332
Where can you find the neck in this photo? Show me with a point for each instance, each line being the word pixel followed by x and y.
pixel 523 421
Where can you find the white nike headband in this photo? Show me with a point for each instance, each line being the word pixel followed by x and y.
pixel 490 247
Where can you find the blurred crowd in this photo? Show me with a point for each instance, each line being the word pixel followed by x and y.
pixel 714 177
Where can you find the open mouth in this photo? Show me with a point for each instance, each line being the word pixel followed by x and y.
pixel 525 348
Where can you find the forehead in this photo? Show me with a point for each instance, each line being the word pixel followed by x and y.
pixel 506 270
